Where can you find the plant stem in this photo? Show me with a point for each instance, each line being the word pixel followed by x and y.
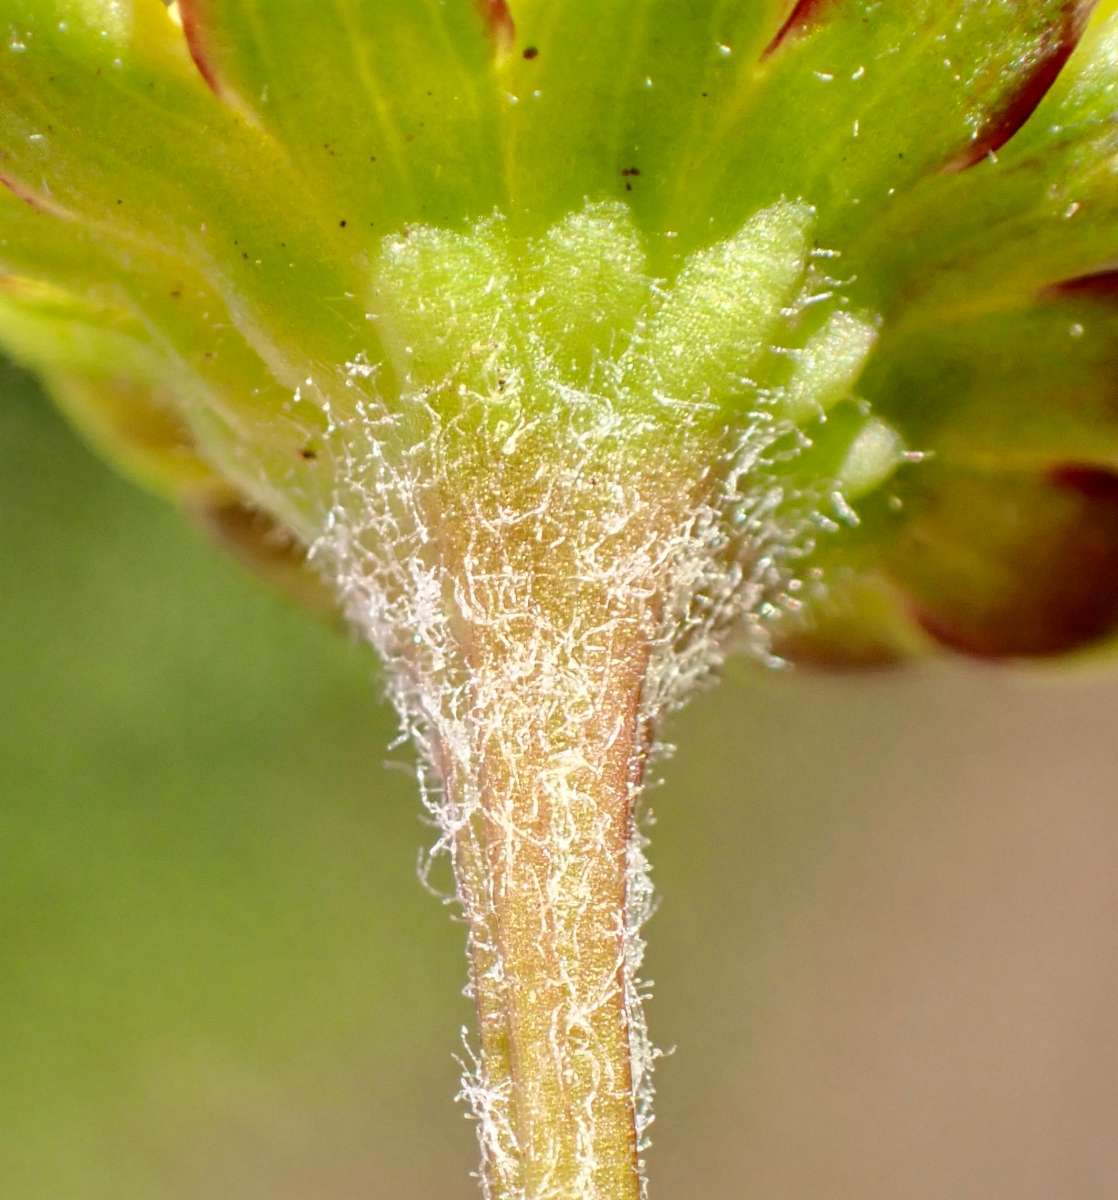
pixel 551 853
pixel 554 659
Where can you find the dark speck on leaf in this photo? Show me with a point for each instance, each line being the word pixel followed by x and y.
pixel 531 52
pixel 627 171
pixel 309 454
pixel 341 224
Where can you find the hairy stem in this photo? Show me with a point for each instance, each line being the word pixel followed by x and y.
pixel 549 851
pixel 547 539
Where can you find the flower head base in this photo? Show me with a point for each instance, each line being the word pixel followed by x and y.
pixel 574 341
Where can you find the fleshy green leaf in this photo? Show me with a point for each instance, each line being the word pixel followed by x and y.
pixel 388 112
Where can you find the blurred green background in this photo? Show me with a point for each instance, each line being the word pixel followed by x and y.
pixel 887 954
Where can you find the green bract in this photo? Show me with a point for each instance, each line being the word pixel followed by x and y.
pixel 575 343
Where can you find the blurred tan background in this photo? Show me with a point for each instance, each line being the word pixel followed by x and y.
pixel 886 956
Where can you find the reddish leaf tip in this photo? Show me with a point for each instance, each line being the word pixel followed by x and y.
pixel 192 28
pixel 1096 484
pixel 1033 85
pixel 498 23
pixel 804 14
pixel 1099 285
